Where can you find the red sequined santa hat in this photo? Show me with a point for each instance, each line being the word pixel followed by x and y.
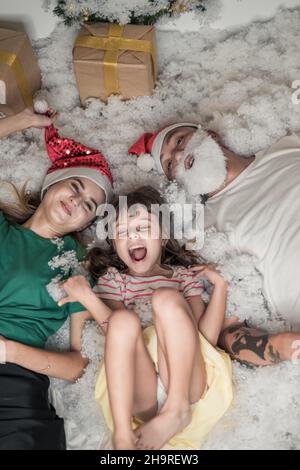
pixel 71 159
pixel 148 147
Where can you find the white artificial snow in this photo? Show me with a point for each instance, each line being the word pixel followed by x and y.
pixel 238 83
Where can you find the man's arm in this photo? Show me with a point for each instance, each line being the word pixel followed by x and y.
pixel 23 120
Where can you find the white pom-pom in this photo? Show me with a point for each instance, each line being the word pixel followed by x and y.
pixel 40 106
pixel 145 162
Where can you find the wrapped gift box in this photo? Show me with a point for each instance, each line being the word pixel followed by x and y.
pixel 20 77
pixel 113 59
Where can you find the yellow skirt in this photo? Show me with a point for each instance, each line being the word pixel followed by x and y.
pixel 205 413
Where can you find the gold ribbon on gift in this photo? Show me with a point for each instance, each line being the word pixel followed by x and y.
pixel 12 61
pixel 113 44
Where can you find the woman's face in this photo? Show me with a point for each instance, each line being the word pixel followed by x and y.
pixel 138 240
pixel 71 204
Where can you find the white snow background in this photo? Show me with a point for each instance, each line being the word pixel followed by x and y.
pixel 243 76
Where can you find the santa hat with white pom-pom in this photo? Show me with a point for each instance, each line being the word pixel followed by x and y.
pixel 148 147
pixel 72 159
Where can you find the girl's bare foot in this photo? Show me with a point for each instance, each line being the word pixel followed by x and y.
pixel 155 433
pixel 125 442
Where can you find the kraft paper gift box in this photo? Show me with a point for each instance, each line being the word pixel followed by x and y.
pixel 20 77
pixel 113 59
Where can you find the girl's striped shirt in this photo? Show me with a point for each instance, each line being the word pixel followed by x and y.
pixel 130 289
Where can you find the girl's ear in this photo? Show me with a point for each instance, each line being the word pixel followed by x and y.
pixel 164 241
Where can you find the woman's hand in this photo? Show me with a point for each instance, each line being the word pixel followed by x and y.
pixel 210 272
pixel 78 290
pixel 2 350
pixel 29 118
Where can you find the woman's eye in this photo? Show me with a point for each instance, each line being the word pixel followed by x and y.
pixel 88 206
pixel 75 186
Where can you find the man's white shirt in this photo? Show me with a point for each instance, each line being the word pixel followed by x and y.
pixel 260 212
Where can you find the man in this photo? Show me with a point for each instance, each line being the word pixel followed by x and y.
pixel 256 202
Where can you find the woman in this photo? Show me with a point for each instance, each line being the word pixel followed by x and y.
pixel 34 239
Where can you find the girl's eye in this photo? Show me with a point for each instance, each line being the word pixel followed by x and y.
pixel 143 228
pixel 179 141
pixel 122 233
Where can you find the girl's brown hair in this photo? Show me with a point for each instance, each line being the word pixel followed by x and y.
pixel 100 259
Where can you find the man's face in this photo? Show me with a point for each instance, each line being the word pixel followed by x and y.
pixel 172 149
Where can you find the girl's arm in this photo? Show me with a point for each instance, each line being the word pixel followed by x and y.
pixel 23 120
pixel 63 365
pixel 211 319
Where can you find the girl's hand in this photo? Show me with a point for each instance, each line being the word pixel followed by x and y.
pixel 77 288
pixel 211 273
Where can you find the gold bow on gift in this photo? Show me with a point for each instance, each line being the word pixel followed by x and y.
pixel 113 44
pixel 12 61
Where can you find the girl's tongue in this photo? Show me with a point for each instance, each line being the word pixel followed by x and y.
pixel 138 254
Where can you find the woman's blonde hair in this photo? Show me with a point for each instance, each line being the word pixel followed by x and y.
pixel 25 204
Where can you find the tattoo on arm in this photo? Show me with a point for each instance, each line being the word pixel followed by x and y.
pixel 245 341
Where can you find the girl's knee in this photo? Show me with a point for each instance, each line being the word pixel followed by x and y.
pixel 123 320
pixel 165 297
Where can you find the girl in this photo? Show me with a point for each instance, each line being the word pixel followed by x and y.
pixel 169 377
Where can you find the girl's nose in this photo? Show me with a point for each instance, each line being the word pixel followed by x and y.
pixel 134 234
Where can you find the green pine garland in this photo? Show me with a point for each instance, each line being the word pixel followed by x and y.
pixel 94 17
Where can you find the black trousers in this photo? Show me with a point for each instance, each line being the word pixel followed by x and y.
pixel 27 420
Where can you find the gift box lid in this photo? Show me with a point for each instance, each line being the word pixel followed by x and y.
pixel 126 56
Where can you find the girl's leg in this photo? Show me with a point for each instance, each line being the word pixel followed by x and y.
pixel 255 347
pixel 181 367
pixel 131 377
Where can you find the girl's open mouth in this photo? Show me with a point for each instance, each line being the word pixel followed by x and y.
pixel 138 253
pixel 188 162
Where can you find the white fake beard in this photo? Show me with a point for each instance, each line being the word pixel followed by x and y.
pixel 208 171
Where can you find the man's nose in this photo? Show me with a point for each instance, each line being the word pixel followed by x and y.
pixel 177 156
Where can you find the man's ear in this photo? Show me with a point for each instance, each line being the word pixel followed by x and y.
pixel 214 135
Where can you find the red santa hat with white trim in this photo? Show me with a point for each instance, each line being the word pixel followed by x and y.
pixel 72 159
pixel 148 147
